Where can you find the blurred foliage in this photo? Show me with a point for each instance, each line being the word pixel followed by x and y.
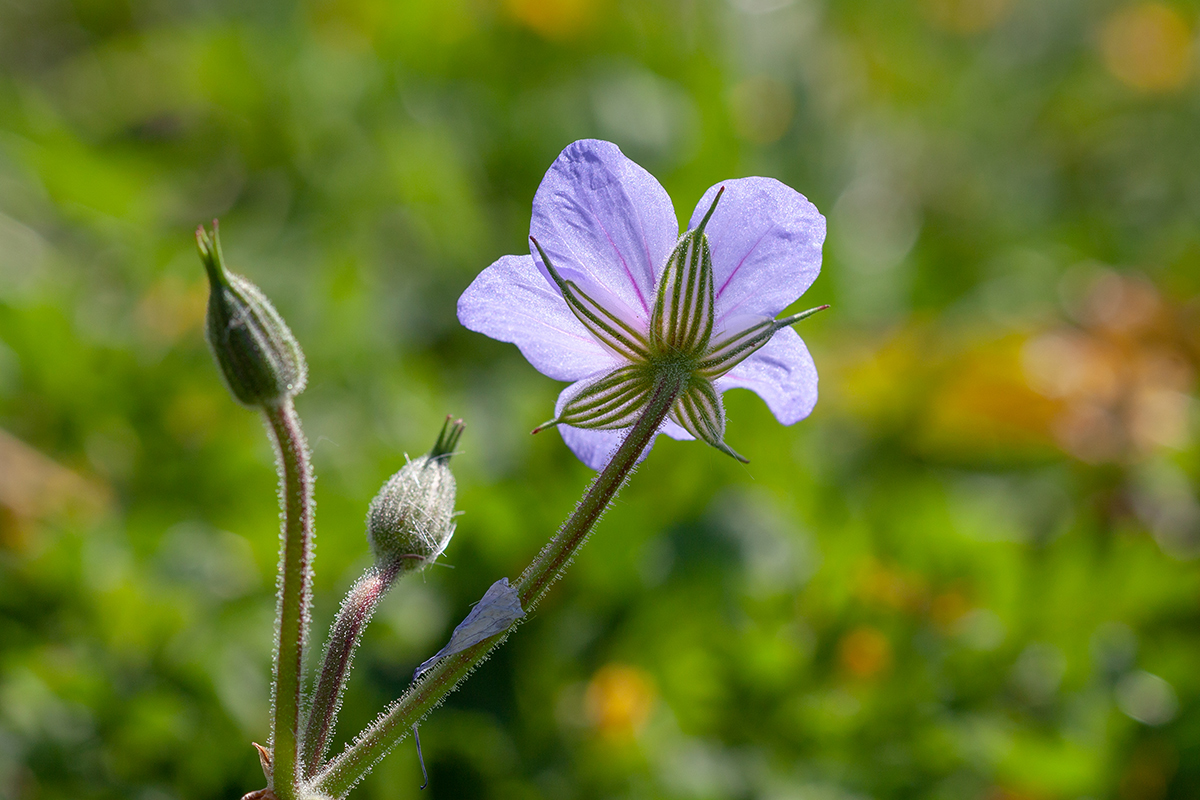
pixel 971 574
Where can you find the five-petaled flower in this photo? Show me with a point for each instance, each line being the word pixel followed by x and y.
pixel 613 298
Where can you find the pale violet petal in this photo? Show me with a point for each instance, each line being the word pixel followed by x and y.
pixel 595 448
pixel 512 301
pixel 766 245
pixel 607 225
pixel 782 373
pixel 499 608
pixel 676 431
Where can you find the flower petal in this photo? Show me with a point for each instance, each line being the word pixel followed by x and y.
pixel 607 224
pixel 782 373
pixel 514 302
pixel 594 448
pixel 676 431
pixel 766 245
pixel 611 330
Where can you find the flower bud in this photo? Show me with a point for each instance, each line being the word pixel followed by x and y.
pixel 412 517
pixel 259 358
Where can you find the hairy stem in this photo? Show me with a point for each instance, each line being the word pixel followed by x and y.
pixel 337 778
pixel 295 591
pixel 357 609
pixel 552 561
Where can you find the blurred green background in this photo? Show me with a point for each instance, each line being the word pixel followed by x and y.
pixel 972 573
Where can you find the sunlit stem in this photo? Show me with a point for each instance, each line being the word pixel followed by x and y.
pixel 344 637
pixel 336 779
pixel 295 590
pixel 346 633
pixel 551 562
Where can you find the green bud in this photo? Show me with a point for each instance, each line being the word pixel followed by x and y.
pixel 412 517
pixel 259 358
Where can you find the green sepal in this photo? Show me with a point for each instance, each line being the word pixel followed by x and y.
pixel 736 348
pixel 701 413
pixel 682 321
pixel 610 402
pixel 447 440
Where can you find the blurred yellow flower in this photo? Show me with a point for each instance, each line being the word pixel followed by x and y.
pixel 947 608
pixel 34 488
pixel 886 586
pixel 1147 47
pixel 171 308
pixel 553 19
pixel 618 700
pixel 865 652
pixel 965 16
pixel 1123 379
pixel 1114 386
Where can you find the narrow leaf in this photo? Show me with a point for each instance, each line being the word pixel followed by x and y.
pixel 499 608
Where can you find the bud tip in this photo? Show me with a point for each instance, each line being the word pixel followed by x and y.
pixel 447 440
pixel 211 256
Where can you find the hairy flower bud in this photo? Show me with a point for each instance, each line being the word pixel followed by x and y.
pixel 259 358
pixel 412 517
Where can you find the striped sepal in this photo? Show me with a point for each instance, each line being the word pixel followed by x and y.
pixel 612 401
pixel 733 350
pixel 683 310
pixel 701 413
pixel 612 331
pixel 682 321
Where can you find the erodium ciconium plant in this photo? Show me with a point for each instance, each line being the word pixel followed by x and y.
pixel 612 298
pixel 648 325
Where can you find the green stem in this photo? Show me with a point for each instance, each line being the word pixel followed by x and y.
pixel 337 778
pixel 552 561
pixel 357 610
pixel 295 591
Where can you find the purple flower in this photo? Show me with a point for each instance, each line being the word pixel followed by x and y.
pixel 612 296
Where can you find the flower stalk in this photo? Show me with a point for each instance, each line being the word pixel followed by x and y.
pixel 356 611
pixel 295 591
pixel 340 775
pixel 410 522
